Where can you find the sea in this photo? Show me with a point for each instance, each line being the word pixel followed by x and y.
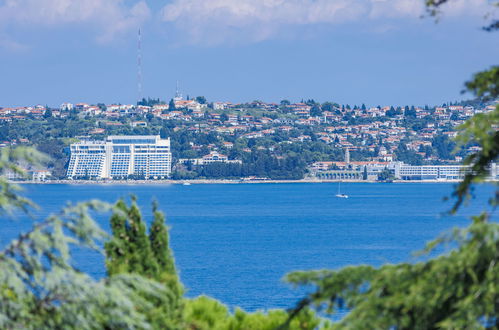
pixel 235 242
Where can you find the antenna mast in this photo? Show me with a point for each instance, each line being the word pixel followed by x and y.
pixel 178 95
pixel 139 67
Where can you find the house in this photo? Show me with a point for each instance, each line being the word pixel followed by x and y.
pixel 138 124
pixel 212 157
pixel 40 175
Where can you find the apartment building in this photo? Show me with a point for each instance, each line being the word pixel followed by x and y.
pixel 121 156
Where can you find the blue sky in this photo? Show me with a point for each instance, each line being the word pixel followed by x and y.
pixel 378 52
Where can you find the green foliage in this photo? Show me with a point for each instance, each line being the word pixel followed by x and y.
pixel 408 156
pixel 316 111
pixel 443 147
pixel 54 148
pixel 10 158
pixel 40 289
pixel 481 129
pixel 204 313
pixel 485 84
pixel 48 113
pixel 149 101
pixel 129 251
pixel 171 105
pixel 159 239
pixel 201 99
pixel 433 9
pixel 132 251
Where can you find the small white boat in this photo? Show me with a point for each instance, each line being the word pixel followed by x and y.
pixel 186 183
pixel 339 194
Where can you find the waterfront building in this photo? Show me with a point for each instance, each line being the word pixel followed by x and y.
pixel 122 156
pixel 429 172
pixel 437 172
pixel 399 170
pixel 212 157
pixel 350 170
pixel 37 175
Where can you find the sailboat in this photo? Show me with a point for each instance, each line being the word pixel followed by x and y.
pixel 339 194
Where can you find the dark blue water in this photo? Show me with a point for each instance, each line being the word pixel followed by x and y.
pixel 236 242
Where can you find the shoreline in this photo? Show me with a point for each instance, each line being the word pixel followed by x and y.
pixel 221 181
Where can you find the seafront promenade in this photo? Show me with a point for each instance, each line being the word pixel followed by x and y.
pixel 181 182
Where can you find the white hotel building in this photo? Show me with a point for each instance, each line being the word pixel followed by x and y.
pixel 437 172
pixel 122 156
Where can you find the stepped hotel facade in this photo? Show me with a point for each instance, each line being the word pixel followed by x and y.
pixel 119 157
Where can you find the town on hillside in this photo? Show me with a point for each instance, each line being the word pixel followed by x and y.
pixel 249 141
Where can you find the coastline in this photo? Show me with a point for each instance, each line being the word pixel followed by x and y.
pixel 221 181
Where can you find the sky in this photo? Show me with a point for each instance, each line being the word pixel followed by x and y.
pixel 377 52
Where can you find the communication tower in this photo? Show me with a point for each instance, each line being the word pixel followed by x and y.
pixel 139 66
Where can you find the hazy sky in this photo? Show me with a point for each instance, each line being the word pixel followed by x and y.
pixel 378 52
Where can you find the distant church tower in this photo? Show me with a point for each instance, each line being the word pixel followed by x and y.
pixel 347 156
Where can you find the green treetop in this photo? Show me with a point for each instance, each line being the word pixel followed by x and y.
pixel 132 251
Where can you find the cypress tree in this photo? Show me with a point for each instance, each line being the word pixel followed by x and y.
pixel 142 259
pixel 167 274
pixel 160 243
pixel 129 251
pixel 117 249
pixel 132 250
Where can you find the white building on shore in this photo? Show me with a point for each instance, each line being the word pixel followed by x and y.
pixel 120 157
pixel 212 157
pixel 429 172
pixel 437 172
pixel 399 170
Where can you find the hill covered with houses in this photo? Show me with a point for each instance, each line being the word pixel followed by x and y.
pixel 282 140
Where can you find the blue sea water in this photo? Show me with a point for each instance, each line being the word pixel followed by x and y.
pixel 235 242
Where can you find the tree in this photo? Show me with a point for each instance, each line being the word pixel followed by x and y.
pixel 408 156
pixel 48 113
pixel 132 251
pixel 315 111
pixel 443 146
pixel 160 246
pixel 206 313
pixel 328 106
pixel 171 105
pixel 201 99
